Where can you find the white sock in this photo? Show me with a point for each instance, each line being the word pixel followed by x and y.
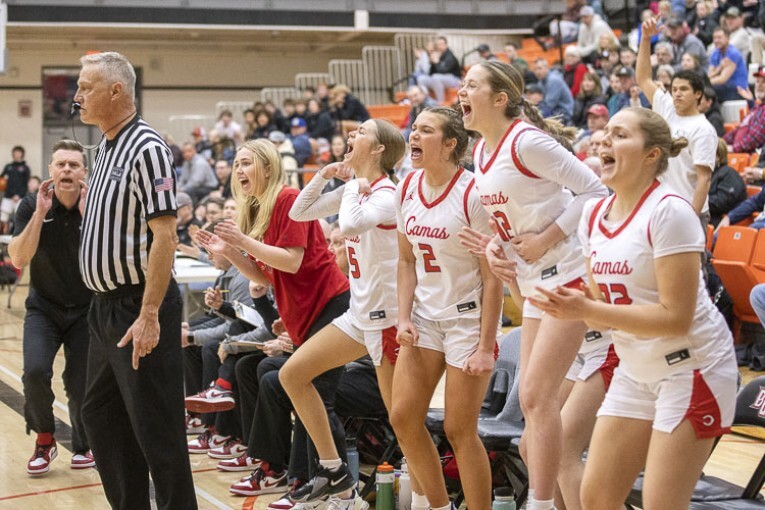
pixel 419 502
pixel 530 495
pixel 331 464
pixel 447 507
pixel 541 504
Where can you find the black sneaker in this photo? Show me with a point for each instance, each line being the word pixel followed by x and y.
pixel 325 483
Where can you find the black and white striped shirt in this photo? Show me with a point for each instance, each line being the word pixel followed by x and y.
pixel 132 181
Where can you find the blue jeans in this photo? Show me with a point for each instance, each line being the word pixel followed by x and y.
pixel 757 298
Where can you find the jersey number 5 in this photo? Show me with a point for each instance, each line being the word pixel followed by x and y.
pixel 353 263
pixel 617 291
pixel 428 258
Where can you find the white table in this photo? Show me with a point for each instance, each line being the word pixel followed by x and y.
pixel 188 270
pixel 4 242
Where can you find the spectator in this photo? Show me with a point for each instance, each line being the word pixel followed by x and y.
pixel 663 54
pixel 280 120
pixel 185 222
pixel 346 109
pixel 230 209
pixel 249 124
pixel 690 62
pixel 228 128
pixel 198 178
pixel 485 52
pixel 222 147
pixel 511 50
pixel 590 93
pixel 573 69
pixel 727 189
pixel 264 124
pixel 422 62
pixel 705 22
pixel 201 142
pixel 213 210
pixel 558 100
pixel 33 185
pixel 319 121
pixel 744 210
pixel 174 149
pixel 733 22
pixel 223 173
pixel 683 41
pixel 727 68
pixel 300 140
pixel 17 175
pixel 627 57
pixel 597 118
pixel 591 29
pixel 287 153
pixel 631 95
pixel 419 100
pixel 568 23
pixel 445 71
pixel 664 74
pixel 596 141
pixel 750 134
pixel 300 108
pixel 535 94
pixel 608 63
pixel 614 94
pixel 710 107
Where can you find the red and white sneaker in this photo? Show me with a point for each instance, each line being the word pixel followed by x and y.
pixel 260 482
pixel 39 462
pixel 212 400
pixel 231 449
pixel 194 425
pixel 242 463
pixel 206 441
pixel 83 460
pixel 287 502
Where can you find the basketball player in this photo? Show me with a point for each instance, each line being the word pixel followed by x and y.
pixel 675 388
pixel 522 170
pixel 367 218
pixel 449 308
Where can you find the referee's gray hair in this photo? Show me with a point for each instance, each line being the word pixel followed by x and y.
pixel 115 67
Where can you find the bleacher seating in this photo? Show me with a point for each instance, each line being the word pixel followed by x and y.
pixel 738 161
pixel 396 113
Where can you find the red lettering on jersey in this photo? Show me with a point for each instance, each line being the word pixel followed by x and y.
pixel 493 199
pixel 354 239
pixel 424 231
pixel 617 268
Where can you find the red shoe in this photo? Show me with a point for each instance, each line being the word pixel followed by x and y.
pixel 83 460
pixel 260 482
pixel 206 441
pixel 39 462
pixel 211 400
pixel 231 449
pixel 242 463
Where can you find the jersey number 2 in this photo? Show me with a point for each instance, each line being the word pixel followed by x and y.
pixel 353 263
pixel 428 258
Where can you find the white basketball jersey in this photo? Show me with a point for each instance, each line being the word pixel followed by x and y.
pixel 594 340
pixel 622 263
pixel 524 184
pixel 372 260
pixel 449 283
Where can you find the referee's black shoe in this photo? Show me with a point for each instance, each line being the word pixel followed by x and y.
pixel 326 482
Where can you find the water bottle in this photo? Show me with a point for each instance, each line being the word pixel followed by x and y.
pixel 404 488
pixel 352 454
pixel 385 478
pixel 504 499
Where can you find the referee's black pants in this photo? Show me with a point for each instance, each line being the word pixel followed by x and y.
pixel 48 326
pixel 135 418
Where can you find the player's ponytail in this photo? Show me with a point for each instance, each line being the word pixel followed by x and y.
pixel 391 138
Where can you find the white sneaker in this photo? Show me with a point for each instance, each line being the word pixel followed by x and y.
pixel 231 449
pixel 194 425
pixel 206 441
pixel 355 502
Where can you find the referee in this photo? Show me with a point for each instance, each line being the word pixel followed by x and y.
pixel 133 409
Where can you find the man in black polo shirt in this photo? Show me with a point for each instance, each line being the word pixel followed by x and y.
pixel 47 238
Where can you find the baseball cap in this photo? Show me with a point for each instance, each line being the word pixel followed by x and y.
pixel 183 199
pixel 625 71
pixel 483 48
pixel 572 50
pixel 598 110
pixel 587 10
pixel 534 89
pixel 198 131
pixel 760 72
pixel 298 122
pixel 732 12
pixel 674 22
pixel 277 136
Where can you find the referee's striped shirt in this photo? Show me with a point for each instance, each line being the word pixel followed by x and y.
pixel 132 181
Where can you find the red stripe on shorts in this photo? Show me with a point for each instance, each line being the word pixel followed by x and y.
pixel 703 411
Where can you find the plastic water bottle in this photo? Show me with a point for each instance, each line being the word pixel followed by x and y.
pixel 385 477
pixel 352 454
pixel 404 488
pixel 504 499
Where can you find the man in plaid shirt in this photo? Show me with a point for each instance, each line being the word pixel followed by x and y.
pixel 750 134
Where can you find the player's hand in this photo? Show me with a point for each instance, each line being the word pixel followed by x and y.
pixel 529 247
pixel 649 27
pixel 213 298
pixel 407 335
pixel 479 363
pixel 475 241
pixel 563 303
pixel 502 267
pixel 44 198
pixel 229 233
pixel 364 187
pixel 144 333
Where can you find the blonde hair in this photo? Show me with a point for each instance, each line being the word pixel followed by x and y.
pixel 506 78
pixel 656 133
pixel 254 214
pixel 391 138
pixel 722 153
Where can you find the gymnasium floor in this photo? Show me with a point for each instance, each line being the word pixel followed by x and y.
pixel 63 488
